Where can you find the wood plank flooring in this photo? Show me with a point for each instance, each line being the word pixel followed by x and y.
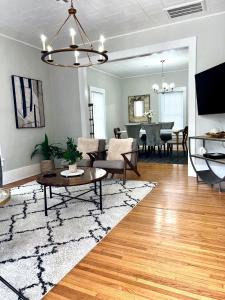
pixel 171 246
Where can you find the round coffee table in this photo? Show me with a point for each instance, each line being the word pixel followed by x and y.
pixel 90 175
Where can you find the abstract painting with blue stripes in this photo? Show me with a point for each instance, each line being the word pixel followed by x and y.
pixel 28 102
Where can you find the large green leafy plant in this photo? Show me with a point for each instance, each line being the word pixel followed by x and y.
pixel 48 151
pixel 71 154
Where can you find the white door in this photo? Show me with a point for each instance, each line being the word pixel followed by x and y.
pixel 173 109
pixel 97 98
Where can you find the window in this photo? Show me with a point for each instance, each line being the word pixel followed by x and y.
pixel 97 98
pixel 173 108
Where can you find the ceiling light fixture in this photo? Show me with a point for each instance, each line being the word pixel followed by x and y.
pixel 165 87
pixel 90 55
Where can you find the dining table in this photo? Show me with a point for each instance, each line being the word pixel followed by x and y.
pixel 176 132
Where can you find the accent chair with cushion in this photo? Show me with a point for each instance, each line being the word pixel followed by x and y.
pixel 122 155
pixel 91 149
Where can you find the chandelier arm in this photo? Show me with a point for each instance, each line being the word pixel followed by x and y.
pixel 61 27
pixel 52 63
pixel 79 29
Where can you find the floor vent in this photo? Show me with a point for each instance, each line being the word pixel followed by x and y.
pixel 185 9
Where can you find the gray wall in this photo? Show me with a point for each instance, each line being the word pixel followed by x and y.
pixel 210 50
pixel 66 120
pixel 143 85
pixel 112 87
pixel 17 144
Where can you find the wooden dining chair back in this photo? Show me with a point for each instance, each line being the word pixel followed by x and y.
pixel 179 141
pixel 117 133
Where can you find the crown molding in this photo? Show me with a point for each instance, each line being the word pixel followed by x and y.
pixel 105 73
pixel 152 74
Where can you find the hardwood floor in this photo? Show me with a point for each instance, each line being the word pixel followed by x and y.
pixel 171 246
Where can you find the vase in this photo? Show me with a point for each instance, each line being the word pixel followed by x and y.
pixel 149 120
pixel 73 168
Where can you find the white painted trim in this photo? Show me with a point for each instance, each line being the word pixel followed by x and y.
pixel 152 74
pixel 100 91
pixel 104 72
pixel 19 41
pixel 20 173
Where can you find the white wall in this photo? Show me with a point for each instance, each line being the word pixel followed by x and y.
pixel 112 87
pixel 17 144
pixel 143 85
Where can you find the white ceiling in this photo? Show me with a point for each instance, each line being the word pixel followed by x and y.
pixel 26 19
pixel 176 59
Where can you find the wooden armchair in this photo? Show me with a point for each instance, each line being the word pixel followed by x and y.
pixel 92 149
pixel 122 156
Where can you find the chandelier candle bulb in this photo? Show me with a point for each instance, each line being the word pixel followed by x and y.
pixel 100 49
pixel 43 40
pixel 76 54
pixel 49 50
pixel 72 34
pixel 172 85
pixel 102 40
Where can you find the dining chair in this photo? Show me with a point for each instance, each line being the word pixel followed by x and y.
pixel 166 125
pixel 166 136
pixel 153 138
pixel 133 131
pixel 179 141
pixel 117 133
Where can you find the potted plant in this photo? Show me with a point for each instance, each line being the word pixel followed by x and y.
pixel 72 155
pixel 48 152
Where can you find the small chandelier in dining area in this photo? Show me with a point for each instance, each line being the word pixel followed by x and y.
pixel 165 87
pixel 82 55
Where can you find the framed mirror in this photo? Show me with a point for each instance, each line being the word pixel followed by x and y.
pixel 137 105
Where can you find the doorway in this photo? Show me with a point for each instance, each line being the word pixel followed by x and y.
pixel 97 98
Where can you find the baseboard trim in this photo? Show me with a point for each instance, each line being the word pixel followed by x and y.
pixel 20 173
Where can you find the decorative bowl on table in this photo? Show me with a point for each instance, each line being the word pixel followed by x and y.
pixel 218 135
pixel 67 173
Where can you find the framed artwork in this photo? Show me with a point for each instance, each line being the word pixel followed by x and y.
pixel 28 102
pixel 137 105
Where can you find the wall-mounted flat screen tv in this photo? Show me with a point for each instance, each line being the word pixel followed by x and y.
pixel 210 86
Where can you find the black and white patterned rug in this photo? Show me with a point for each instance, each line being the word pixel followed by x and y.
pixel 37 251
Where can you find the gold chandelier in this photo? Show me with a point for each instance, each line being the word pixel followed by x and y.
pixel 90 55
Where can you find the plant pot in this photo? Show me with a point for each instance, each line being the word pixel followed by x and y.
pixel 47 165
pixel 73 168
